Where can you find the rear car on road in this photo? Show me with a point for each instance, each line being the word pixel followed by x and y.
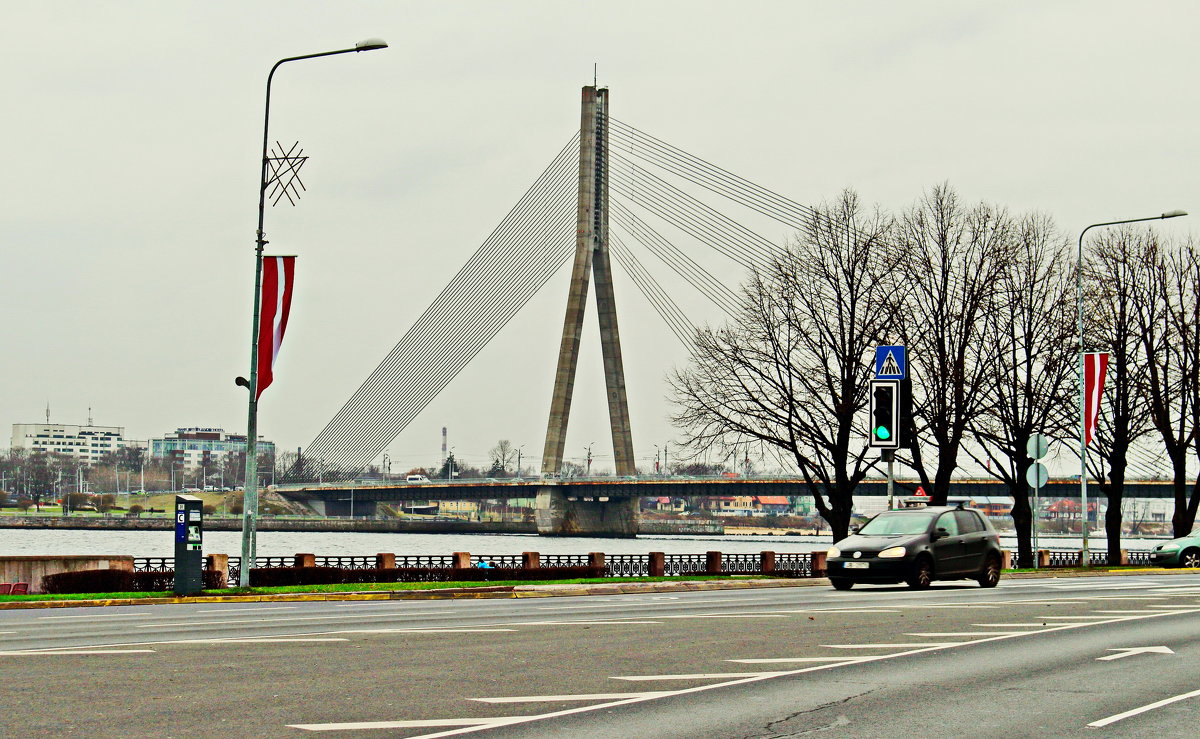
pixel 918 546
pixel 1182 552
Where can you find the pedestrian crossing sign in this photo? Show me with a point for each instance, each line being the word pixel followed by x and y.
pixel 891 363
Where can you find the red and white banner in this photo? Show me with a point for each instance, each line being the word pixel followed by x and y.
pixel 277 277
pixel 1094 366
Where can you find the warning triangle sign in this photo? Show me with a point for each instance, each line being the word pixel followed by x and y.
pixel 890 368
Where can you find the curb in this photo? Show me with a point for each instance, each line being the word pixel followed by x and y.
pixel 524 591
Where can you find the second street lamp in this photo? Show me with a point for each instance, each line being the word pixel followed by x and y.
pixel 250 503
pixel 1085 554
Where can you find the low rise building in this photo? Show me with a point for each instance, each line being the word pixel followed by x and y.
pixel 197 447
pixel 86 444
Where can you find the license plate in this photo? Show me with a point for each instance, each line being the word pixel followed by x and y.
pixel 857 565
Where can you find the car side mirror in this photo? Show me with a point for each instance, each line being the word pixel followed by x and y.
pixel 854 528
pixel 939 533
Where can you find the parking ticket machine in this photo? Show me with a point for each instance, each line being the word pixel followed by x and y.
pixel 189 545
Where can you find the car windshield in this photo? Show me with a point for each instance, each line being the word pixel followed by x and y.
pixel 893 524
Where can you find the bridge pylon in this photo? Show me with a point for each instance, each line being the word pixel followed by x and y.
pixel 591 256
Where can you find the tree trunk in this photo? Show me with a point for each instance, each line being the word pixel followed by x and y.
pixel 1022 517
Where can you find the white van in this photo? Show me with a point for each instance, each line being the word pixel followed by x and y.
pixel 416 478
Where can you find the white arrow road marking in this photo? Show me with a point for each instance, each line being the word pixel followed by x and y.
pixel 579 697
pixel 1143 709
pixel 1130 651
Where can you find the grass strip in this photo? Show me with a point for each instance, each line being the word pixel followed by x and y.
pixel 379 587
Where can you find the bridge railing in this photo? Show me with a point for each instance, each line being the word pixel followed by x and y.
pixel 783 564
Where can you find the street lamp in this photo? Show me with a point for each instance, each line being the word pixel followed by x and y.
pixel 589 459
pixel 250 510
pixel 1086 555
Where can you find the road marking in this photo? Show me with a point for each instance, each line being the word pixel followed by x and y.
pixel 614 622
pixel 330 617
pixel 697 676
pixel 844 610
pixel 238 609
pixel 64 651
pixel 399 724
pixel 579 697
pixel 266 640
pixel 1018 626
pixel 1075 618
pixel 967 634
pixel 780 660
pixel 1123 652
pixel 424 631
pixel 725 615
pixel 1143 709
pixel 90 617
pixel 1129 612
pixel 898 646
pixel 640 698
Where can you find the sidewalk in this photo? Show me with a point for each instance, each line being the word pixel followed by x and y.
pixel 531 591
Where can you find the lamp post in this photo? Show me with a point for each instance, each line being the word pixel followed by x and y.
pixel 1085 554
pixel 250 509
pixel 589 459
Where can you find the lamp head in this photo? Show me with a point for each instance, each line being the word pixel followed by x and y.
pixel 370 44
pixel 1174 213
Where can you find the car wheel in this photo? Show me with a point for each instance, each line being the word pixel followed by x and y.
pixel 1190 558
pixel 922 574
pixel 989 576
pixel 841 583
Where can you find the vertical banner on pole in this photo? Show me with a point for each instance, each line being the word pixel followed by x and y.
pixel 1095 364
pixel 277 278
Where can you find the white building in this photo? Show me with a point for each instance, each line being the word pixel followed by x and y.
pixel 203 447
pixel 86 444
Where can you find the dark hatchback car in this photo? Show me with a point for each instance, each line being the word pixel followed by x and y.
pixel 918 546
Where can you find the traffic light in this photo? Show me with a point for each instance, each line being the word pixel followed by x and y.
pixel 885 414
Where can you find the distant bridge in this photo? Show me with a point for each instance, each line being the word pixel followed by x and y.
pixel 607 506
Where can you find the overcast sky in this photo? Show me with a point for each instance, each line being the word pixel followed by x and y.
pixel 131 135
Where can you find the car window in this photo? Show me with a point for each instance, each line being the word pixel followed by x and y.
pixel 946 521
pixel 968 522
pixel 890 524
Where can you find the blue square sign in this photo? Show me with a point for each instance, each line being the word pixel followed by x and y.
pixel 891 363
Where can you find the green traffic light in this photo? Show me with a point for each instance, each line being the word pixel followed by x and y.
pixel 882 433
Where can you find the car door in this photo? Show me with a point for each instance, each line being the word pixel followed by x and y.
pixel 974 539
pixel 948 549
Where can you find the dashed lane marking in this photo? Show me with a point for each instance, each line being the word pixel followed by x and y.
pixel 330 617
pixel 966 634
pixel 899 646
pixel 425 631
pixel 430 724
pixel 1016 626
pixel 1148 707
pixel 64 651
pixel 696 676
pixel 239 609
pixel 784 660
pixel 267 640
pixel 92 617
pixel 577 697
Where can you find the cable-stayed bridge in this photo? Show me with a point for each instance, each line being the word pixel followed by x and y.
pixel 612 191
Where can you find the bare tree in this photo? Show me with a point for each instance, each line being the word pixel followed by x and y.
pixel 1169 323
pixel 793 371
pixel 1117 272
pixel 1032 374
pixel 950 282
pixel 502 454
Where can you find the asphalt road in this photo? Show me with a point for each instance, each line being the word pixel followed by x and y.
pixel 1100 656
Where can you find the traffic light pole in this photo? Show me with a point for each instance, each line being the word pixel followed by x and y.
pixel 890 457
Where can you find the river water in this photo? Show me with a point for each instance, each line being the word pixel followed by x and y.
pixel 46 542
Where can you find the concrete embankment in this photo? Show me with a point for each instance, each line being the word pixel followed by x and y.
pixel 364 525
